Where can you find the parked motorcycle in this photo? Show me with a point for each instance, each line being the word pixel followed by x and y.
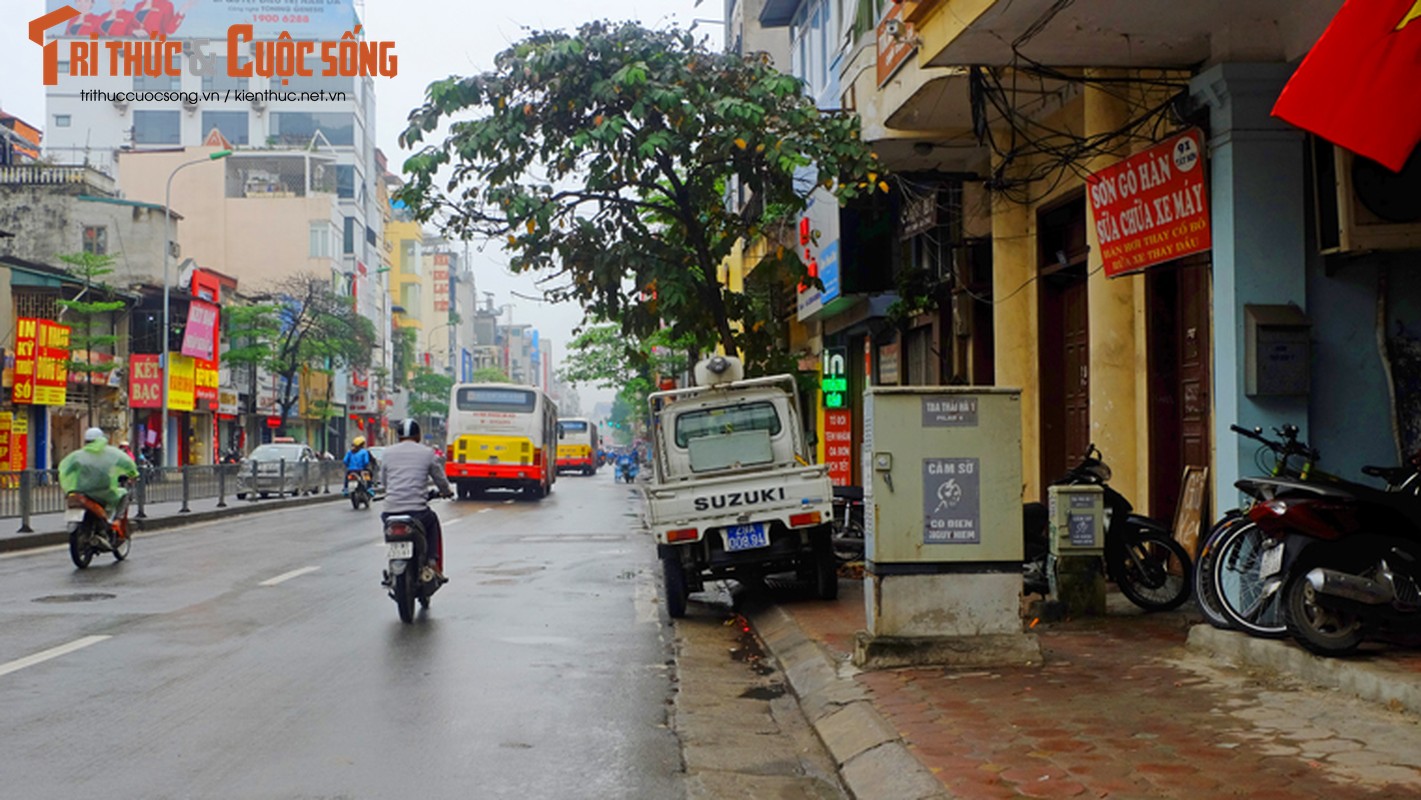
pixel 848 523
pixel 1245 565
pixel 92 531
pixel 408 575
pixel 1353 560
pixel 1142 557
pixel 359 489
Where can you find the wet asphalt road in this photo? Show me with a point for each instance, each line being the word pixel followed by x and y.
pixel 258 657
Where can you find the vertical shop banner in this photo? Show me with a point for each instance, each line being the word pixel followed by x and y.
pixel 206 378
pixel 26 334
pixel 19 440
pixel 51 364
pixel 145 381
pixel 1152 207
pixel 839 446
pixel 182 382
pixel 7 420
pixel 200 335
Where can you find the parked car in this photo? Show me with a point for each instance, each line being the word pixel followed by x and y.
pixel 301 476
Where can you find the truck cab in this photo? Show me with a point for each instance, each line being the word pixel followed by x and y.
pixel 732 492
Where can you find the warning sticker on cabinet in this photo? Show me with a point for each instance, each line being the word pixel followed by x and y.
pixel 952 501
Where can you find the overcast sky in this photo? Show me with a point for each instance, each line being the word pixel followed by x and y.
pixel 434 39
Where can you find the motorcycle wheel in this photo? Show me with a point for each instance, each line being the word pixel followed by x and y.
pixel 355 500
pixel 848 542
pixel 79 551
pixel 1153 571
pixel 1320 630
pixel 674 582
pixel 1239 589
pixel 1206 592
pixel 406 587
pixel 120 546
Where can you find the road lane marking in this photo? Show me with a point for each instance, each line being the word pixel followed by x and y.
pixel 53 652
pixel 286 576
pixel 485 510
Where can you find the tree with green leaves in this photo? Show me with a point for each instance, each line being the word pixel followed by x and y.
pixel 301 324
pixel 429 395
pixel 402 343
pixel 604 358
pixel 91 332
pixel 607 157
pixel 491 375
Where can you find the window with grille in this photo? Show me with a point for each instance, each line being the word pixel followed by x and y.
pixel 96 240
pixel 36 305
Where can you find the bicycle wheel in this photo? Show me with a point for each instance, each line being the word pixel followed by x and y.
pixel 1247 601
pixel 1154 571
pixel 1206 594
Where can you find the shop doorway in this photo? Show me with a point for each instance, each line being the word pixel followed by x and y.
pixel 1179 299
pixel 1064 338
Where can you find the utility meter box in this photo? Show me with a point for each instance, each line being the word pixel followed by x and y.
pixel 942 475
pixel 1077 517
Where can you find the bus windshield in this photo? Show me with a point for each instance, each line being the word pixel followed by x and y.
pixel 483 398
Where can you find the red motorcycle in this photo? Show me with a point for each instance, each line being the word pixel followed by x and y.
pixel 92 531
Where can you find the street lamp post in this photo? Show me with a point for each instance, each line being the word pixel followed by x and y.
pixel 167 257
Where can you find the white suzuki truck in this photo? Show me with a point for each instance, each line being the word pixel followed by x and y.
pixel 732 493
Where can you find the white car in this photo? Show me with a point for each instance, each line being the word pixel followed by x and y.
pixel 261 472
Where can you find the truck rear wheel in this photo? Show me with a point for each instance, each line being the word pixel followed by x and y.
pixel 674 581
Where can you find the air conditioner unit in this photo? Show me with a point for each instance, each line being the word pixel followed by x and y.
pixel 1362 205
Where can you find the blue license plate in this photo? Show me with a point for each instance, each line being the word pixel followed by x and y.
pixel 746 537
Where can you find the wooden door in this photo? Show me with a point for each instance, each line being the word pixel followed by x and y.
pixel 1178 300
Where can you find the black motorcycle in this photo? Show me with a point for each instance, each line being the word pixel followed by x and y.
pixel 359 489
pixel 1353 559
pixel 1142 558
pixel 408 576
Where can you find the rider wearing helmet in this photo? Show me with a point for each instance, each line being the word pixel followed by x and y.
pixel 357 460
pixel 95 469
pixel 409 467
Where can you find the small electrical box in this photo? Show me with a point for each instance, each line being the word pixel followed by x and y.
pixel 1077 515
pixel 1277 351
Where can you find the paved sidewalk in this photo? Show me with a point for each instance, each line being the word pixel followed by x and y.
pixel 1122 708
pixel 49 529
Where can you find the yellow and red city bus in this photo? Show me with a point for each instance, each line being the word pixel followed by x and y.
pixel 578 445
pixel 501 436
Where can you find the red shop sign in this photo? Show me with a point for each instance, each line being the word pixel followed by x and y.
pixel 145 381
pixel 1152 207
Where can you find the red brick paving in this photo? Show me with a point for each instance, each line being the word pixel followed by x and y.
pixel 1105 717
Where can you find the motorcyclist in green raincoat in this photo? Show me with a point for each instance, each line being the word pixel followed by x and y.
pixel 94 470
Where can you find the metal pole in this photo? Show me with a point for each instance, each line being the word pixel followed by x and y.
pixel 167 255
pixel 221 486
pixel 26 501
pixel 281 481
pixel 186 473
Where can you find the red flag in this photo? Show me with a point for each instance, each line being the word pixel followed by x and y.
pixel 1360 87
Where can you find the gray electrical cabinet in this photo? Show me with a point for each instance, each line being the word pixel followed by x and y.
pixel 942 475
pixel 1077 515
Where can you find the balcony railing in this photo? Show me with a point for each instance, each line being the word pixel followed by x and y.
pixel 44 175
